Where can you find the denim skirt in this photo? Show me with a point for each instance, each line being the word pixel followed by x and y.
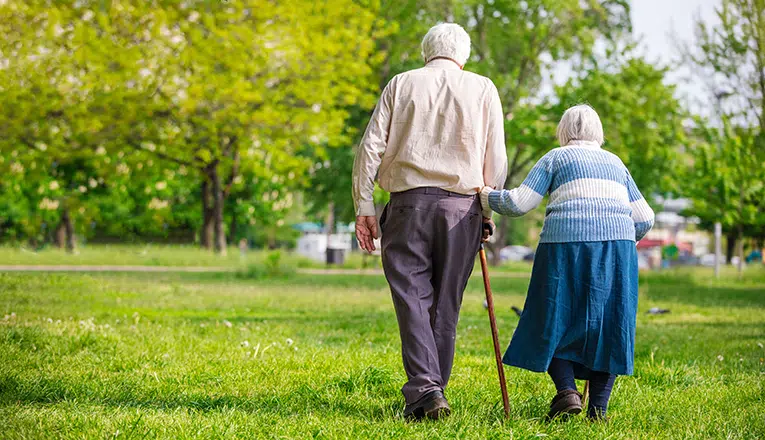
pixel 581 306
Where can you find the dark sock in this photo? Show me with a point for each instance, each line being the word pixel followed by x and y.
pixel 601 385
pixel 562 373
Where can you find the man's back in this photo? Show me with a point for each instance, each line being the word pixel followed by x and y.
pixel 438 127
pixel 438 130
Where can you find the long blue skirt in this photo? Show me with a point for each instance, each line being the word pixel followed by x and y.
pixel 581 306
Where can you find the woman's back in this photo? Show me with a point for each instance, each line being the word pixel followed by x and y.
pixel 589 197
pixel 592 196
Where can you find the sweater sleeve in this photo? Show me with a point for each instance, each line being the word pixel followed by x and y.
pixel 642 214
pixel 518 201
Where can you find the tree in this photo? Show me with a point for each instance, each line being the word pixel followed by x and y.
pixel 729 59
pixel 48 113
pixel 252 87
pixel 234 93
pixel 726 181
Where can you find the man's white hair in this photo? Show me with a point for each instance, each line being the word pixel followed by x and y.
pixel 446 40
pixel 580 123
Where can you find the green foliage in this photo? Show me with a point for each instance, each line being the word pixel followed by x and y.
pixel 726 179
pixel 727 170
pixel 240 94
pixel 272 267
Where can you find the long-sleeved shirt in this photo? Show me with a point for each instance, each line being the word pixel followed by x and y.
pixel 592 196
pixel 437 126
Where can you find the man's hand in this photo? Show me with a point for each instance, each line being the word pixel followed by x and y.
pixel 488 229
pixel 366 232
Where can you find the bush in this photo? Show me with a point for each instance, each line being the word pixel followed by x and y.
pixel 272 267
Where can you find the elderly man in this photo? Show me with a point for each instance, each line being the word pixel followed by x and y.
pixel 435 136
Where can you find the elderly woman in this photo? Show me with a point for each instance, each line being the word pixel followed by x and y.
pixel 579 317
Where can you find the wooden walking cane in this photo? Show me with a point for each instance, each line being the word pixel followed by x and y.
pixel 494 333
pixel 586 394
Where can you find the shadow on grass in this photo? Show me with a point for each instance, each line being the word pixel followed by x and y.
pixel 367 394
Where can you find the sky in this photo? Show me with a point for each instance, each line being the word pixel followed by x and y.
pixel 658 25
pixel 656 21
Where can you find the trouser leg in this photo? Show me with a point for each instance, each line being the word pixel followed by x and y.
pixel 406 258
pixel 456 241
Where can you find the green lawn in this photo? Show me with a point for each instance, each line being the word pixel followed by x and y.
pixel 182 255
pixel 214 356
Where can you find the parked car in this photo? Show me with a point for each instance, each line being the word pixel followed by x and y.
pixel 643 261
pixel 516 253
pixel 709 260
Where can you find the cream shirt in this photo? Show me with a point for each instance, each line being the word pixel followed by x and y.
pixel 437 126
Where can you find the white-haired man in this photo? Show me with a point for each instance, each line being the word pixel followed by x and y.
pixel 435 136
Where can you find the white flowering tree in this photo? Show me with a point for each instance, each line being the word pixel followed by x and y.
pixel 238 95
pixel 237 92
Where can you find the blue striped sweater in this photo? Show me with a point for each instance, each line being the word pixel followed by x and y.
pixel 592 196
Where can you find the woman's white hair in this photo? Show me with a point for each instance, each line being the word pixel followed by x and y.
pixel 580 123
pixel 446 40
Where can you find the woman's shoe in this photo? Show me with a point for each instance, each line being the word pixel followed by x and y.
pixel 597 415
pixel 565 403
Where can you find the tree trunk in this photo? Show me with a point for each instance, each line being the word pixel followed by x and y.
pixel 66 220
pixel 59 235
pixel 218 201
pixel 730 245
pixel 207 233
pixel 232 228
pixel 330 221
pixel 740 252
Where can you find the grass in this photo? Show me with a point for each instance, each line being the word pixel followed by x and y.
pixel 184 255
pixel 213 356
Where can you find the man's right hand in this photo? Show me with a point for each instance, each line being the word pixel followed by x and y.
pixel 488 229
pixel 366 232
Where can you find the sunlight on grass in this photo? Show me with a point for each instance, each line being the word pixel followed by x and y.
pixel 209 355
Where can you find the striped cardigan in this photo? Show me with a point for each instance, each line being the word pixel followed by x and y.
pixel 592 196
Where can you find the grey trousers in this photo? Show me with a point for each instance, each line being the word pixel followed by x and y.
pixel 430 238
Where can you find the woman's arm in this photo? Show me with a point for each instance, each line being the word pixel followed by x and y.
pixel 518 201
pixel 642 214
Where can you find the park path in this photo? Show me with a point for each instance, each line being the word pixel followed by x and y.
pixel 207 269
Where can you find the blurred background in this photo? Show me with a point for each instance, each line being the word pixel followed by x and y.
pixel 139 132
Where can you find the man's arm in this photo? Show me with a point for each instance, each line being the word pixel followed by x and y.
pixel 495 159
pixel 365 166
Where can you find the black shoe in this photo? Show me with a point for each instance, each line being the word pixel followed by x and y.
pixel 432 405
pixel 565 403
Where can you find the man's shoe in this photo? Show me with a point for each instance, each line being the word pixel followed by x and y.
pixel 565 403
pixel 432 405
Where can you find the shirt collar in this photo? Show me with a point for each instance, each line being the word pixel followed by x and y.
pixel 583 144
pixel 441 63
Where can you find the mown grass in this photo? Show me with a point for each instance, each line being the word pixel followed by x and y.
pixel 213 356
pixel 185 255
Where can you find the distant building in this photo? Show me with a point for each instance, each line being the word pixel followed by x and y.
pixel 671 228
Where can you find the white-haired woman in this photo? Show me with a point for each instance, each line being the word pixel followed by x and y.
pixel 579 316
